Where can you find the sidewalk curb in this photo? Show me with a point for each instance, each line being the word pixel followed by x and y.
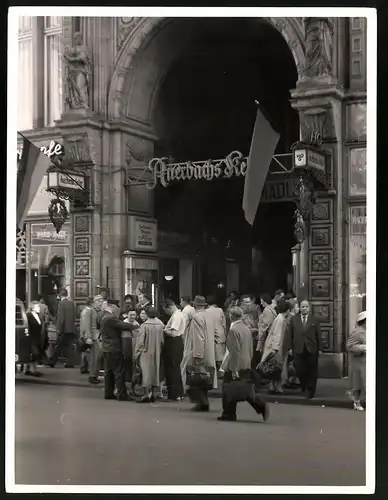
pixel 286 399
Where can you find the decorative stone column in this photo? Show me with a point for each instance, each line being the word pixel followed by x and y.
pixel 318 100
pixel 81 141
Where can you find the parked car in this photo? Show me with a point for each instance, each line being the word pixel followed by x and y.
pixel 22 339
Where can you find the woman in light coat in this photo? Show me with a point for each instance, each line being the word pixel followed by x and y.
pixel 147 354
pixel 219 321
pixel 275 342
pixel 356 347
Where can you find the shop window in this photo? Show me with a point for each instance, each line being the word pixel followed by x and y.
pixel 51 59
pixel 357 262
pixel 357 175
pixel 25 77
pixel 141 278
pixel 49 263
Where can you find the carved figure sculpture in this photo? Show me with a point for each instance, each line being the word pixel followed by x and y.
pixel 319 46
pixel 79 74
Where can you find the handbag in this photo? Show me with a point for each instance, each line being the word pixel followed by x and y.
pixel 270 368
pixel 197 376
pixel 137 375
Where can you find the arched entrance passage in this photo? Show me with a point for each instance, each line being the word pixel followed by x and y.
pixel 154 43
pixel 195 84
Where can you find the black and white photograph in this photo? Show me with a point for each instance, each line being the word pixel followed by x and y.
pixel 189 306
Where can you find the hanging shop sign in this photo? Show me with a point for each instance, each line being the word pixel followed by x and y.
pixel 234 165
pixel 46 235
pixel 68 180
pixel 310 160
pixel 53 149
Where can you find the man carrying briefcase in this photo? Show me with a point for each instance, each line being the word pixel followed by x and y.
pixel 238 382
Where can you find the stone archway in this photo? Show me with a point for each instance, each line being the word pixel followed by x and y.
pixel 133 96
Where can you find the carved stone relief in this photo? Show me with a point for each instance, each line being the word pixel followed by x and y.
pixel 124 26
pixel 327 338
pixel 319 32
pixel 321 262
pixel 318 120
pixel 321 236
pixel 77 150
pixel 321 288
pixel 322 211
pixel 323 311
pixel 136 152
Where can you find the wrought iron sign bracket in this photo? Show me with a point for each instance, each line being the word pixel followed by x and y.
pixel 65 184
pixel 310 163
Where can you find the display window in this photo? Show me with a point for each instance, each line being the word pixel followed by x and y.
pixel 357 172
pixel 141 277
pixel 357 262
pixel 49 263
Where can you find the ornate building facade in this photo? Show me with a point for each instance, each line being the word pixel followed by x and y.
pixel 106 114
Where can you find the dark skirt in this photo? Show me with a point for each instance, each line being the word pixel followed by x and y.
pixel 127 354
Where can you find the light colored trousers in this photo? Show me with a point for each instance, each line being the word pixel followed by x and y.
pixel 94 355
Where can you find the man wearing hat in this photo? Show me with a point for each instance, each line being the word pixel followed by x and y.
pixel 200 341
pixel 303 336
pixel 99 307
pixel 111 328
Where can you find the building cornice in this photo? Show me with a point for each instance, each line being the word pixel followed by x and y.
pixel 40 135
pixel 333 91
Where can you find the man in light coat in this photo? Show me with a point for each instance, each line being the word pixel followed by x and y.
pixel 237 366
pixel 217 317
pixel 201 338
pixel 91 334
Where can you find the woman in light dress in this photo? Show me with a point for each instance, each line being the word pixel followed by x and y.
pixel 275 343
pixel 356 347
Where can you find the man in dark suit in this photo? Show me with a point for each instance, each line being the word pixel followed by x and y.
pixel 237 367
pixel 65 331
pixel 111 328
pixel 304 338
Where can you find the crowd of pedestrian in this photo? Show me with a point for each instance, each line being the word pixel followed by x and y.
pixel 191 345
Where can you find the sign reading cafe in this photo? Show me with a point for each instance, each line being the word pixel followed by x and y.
pixel 233 165
pixel 53 149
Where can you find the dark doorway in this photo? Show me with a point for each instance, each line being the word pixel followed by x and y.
pixel 205 109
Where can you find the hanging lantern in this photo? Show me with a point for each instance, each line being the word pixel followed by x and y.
pixel 310 163
pixel 58 213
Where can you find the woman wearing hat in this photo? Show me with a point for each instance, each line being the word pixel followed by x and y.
pixel 356 347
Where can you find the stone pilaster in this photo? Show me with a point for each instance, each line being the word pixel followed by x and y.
pixel 100 37
pixel 82 145
pixel 320 110
pixel 38 71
